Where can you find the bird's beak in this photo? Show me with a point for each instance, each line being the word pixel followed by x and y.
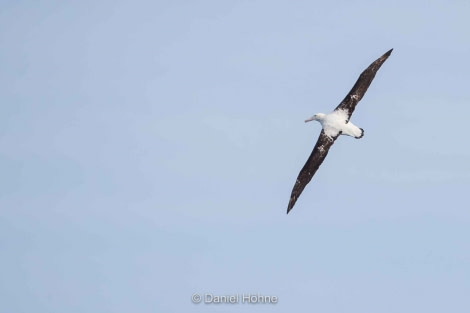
pixel 309 120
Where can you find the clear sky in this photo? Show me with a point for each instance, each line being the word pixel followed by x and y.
pixel 148 150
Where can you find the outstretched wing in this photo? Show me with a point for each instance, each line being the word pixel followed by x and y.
pixel 360 87
pixel 316 158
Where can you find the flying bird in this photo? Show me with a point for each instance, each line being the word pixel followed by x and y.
pixel 335 124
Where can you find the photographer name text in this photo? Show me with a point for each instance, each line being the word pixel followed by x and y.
pixel 248 298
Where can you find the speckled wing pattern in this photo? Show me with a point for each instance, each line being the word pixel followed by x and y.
pixel 316 158
pixel 362 84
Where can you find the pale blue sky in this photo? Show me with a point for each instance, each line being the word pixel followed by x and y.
pixel 148 150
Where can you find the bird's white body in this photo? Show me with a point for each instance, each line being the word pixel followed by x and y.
pixel 336 123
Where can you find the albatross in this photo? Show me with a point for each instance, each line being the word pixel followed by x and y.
pixel 333 125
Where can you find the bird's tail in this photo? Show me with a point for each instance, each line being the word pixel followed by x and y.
pixel 362 134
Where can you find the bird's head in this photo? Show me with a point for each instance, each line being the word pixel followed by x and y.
pixel 316 117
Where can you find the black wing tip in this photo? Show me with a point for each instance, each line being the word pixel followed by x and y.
pixel 290 206
pixel 387 54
